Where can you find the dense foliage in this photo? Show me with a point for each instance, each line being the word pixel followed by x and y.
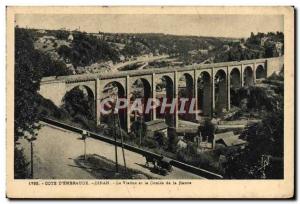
pixel 76 102
pixel 84 49
pixel 256 46
pixel 20 164
pixel 30 66
pixel 87 49
pixel 207 130
pixel 255 98
pixel 263 156
pixel 265 140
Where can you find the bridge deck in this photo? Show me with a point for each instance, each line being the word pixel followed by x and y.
pixel 93 76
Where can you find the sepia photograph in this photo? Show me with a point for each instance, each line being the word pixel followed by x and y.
pixel 113 96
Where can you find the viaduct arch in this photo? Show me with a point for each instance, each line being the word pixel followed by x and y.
pixel 204 94
pixel 165 91
pixel 220 90
pixel 80 94
pixel 186 93
pixel 248 76
pixel 113 90
pixel 235 84
pixel 141 89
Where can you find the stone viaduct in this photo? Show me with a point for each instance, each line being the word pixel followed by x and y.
pixel 209 84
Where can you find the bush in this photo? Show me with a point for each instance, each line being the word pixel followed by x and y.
pixel 47 109
pixel 131 136
pixel 44 113
pixel 160 139
pixel 60 34
pixel 208 130
pixel 120 131
pixel 150 143
pixel 20 165
pixel 220 149
pixel 84 122
pixel 192 156
pixel 65 51
pixel 255 98
pixel 87 49
pixel 139 127
pixel 191 149
pixel 76 102
pixel 172 140
pixel 279 76
pixel 201 160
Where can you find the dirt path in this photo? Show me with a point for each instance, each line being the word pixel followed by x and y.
pixel 56 150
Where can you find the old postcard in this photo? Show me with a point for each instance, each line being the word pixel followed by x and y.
pixel 150 102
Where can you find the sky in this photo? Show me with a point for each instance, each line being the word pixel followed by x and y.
pixel 236 26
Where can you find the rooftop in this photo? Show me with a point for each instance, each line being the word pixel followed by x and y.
pixel 229 139
pixel 156 125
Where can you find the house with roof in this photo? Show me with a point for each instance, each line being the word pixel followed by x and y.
pixel 229 139
pixel 155 126
pixel 70 38
pixel 181 144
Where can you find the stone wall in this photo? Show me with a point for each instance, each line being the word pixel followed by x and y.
pixel 274 64
pixel 54 91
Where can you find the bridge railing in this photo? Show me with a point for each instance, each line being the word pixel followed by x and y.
pixel 195 170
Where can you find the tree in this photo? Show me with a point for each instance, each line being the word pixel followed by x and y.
pixel 208 130
pixel 270 50
pixel 27 80
pixel 62 34
pixel 76 102
pixel 88 49
pixel 65 52
pixel 20 164
pixel 265 139
pixel 172 139
pixel 30 66
pixel 50 67
pixel 139 128
pixel 255 98
pixel 159 138
pixel 131 49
